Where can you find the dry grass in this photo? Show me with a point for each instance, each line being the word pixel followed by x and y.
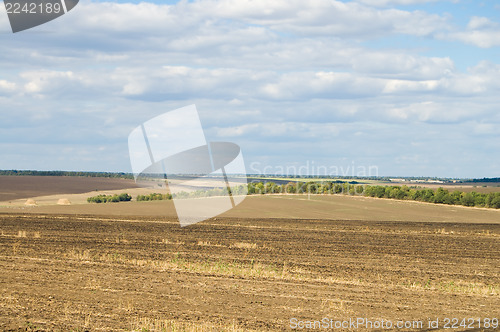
pixel 336 306
pixel 268 271
pixel 87 320
pixel 93 284
pixel 264 266
pixel 153 324
pixel 444 232
pixel 456 287
pixel 15 248
pixel 244 245
pixel 130 306
pixel 21 234
pixel 81 255
pixel 208 244
pixel 66 310
pixel 469 288
pixel 487 233
pixel 177 263
pixel 121 239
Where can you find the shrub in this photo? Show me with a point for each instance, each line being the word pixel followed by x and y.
pixel 154 197
pixel 109 198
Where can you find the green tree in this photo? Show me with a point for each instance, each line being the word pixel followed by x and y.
pixel 291 188
pixel 440 195
pixel 359 190
pixel 467 199
pixel 495 201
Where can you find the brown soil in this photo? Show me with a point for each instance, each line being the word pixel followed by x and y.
pixel 15 187
pixel 63 272
pixel 331 207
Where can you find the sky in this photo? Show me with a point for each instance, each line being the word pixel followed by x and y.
pixel 363 87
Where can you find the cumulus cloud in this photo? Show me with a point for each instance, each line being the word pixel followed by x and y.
pixel 477 22
pixel 7 87
pixel 480 31
pixel 292 130
pixel 241 22
pixel 385 3
pixel 402 65
pixel 284 79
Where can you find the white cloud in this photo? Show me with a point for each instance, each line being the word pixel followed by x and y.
pixel 292 130
pixel 310 77
pixel 401 65
pixel 479 38
pixel 324 17
pixel 395 86
pixel 433 112
pixel 477 22
pixel 386 3
pixel 7 87
pixel 199 19
pixel 53 83
pixel 422 75
pixel 480 32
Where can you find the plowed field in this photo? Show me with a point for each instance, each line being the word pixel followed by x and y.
pixel 82 272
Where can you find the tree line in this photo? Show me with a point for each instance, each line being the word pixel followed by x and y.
pixel 485 180
pixel 438 196
pixel 110 198
pixel 153 197
pixel 120 175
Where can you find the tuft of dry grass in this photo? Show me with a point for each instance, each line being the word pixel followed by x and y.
pixel 87 320
pixel 336 305
pixel 93 284
pixel 286 271
pixel 156 324
pixel 469 288
pixel 127 305
pixel 79 254
pixel 456 287
pixel 487 233
pixel 15 247
pixel 66 310
pixel 177 242
pixel 244 245
pixel 208 244
pixel 444 232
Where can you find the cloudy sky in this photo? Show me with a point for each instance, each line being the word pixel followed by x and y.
pixel 410 87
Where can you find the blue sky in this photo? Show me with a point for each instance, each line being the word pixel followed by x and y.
pixel 409 87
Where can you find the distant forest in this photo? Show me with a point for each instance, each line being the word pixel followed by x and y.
pixel 68 173
pixel 124 175
pixel 485 180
